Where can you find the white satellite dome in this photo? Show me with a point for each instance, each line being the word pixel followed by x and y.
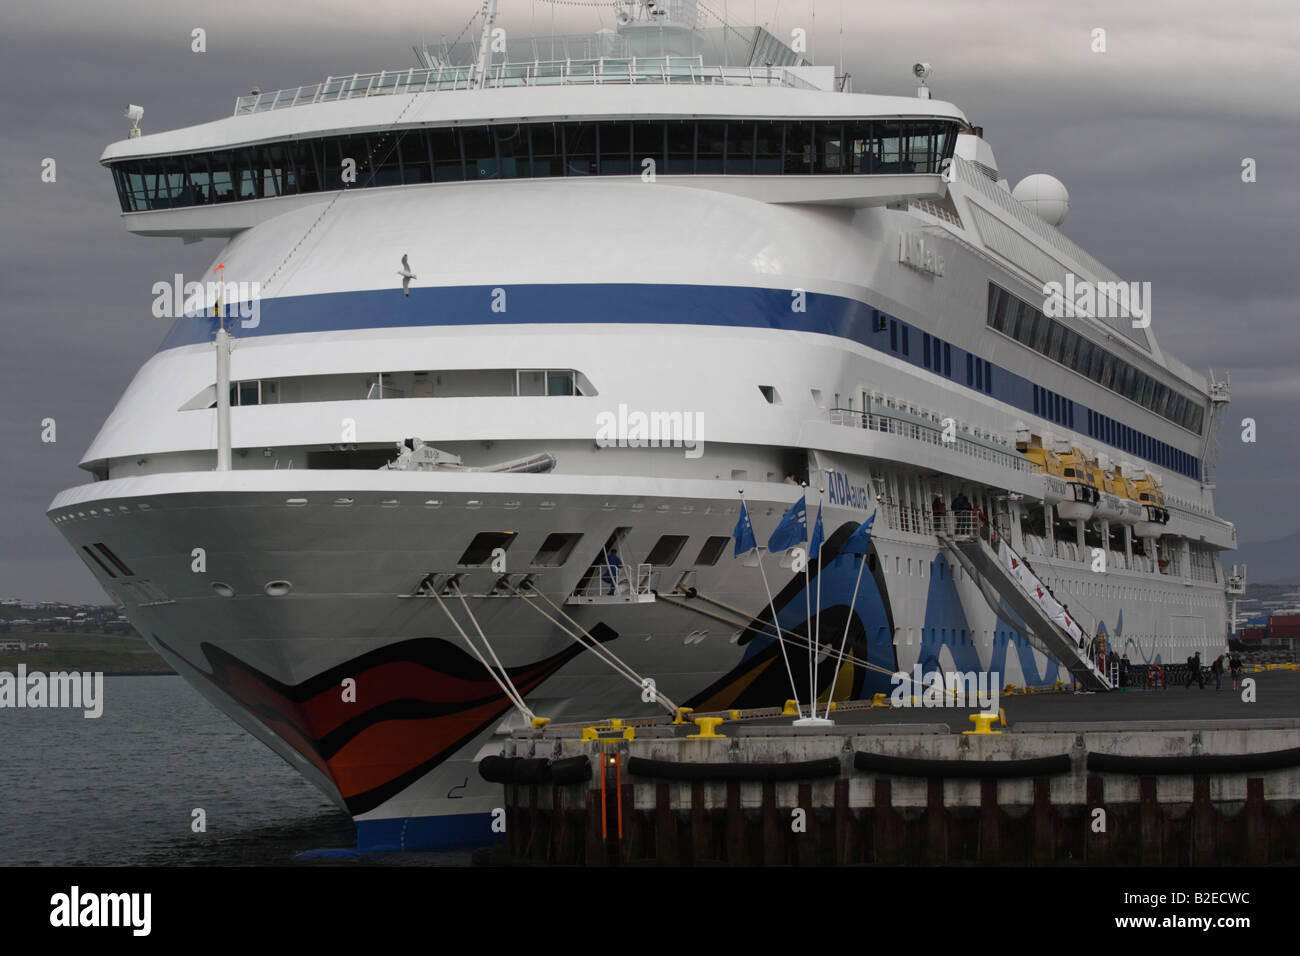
pixel 1045 196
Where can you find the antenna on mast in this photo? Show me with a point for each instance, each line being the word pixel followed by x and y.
pixel 485 45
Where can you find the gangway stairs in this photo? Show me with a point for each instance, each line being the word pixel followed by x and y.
pixel 1001 573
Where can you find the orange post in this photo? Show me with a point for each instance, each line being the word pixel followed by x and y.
pixel 604 816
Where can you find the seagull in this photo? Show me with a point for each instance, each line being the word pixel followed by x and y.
pixel 407 275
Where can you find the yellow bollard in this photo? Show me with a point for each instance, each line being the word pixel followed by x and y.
pixel 880 700
pixel 791 709
pixel 1059 685
pixel 735 714
pixel 1009 690
pixel 708 728
pixel 539 723
pixel 1002 715
pixel 590 733
pixel 982 723
pixel 682 713
pixel 615 723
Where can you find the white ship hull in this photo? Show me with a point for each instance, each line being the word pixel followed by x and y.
pixel 402 757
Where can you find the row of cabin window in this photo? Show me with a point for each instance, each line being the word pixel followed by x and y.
pixel 510 151
pixel 1118 434
pixel 1029 326
pixel 559 546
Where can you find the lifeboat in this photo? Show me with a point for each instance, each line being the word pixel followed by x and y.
pixel 1118 501
pixel 1151 500
pixel 1048 465
pixel 1082 501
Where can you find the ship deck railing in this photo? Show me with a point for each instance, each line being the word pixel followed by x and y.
pixel 662 70
pixel 931 434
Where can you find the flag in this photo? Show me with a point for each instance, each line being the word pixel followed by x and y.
pixel 792 529
pixel 817 537
pixel 744 533
pixel 860 540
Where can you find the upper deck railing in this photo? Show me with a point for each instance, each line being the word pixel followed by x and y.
pixel 684 70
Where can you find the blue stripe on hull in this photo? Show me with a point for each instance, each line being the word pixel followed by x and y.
pixel 541 305
pixel 445 832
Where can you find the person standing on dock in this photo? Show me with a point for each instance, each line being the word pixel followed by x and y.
pixel 1217 670
pixel 1194 672
pixel 1234 667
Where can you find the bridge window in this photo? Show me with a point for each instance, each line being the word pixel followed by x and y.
pixel 517 150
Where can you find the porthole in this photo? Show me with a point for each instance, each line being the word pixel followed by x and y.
pixel 223 590
pixel 278 588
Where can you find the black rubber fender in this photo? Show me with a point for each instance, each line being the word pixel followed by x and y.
pixel 956 769
pixel 1203 764
pixel 497 769
pixel 673 770
pixel 570 770
pixel 531 770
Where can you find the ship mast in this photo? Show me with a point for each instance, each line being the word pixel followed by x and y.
pixel 479 73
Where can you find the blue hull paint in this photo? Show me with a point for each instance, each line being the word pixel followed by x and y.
pixel 450 832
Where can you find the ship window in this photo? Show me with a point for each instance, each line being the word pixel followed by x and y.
pixel 513 151
pixel 648 142
pixel 548 157
pixel 830 150
pixel 480 153
pixel 480 549
pixel 580 149
pixel 615 149
pixel 710 148
pixel 556 549
pixel 769 393
pixel 798 148
pixel 532 382
pixel 768 149
pixel 905 342
pixel 740 149
pixel 712 551
pixel 416 164
pixel 664 553
pixel 681 148
pixel 448 160
pixel 559 383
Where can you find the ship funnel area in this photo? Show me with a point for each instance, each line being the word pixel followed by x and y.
pixel 1008 582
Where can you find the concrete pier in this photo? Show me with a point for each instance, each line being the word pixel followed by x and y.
pixel 1165 778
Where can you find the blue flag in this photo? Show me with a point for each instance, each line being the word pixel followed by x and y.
pixel 818 536
pixel 859 542
pixel 744 533
pixel 792 529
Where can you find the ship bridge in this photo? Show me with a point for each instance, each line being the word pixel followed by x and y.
pixel 728 109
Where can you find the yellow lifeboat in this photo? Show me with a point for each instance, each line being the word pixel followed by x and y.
pixel 1152 502
pixel 1082 502
pixel 1118 501
pixel 1046 463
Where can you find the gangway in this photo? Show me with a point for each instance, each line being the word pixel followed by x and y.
pixel 1002 573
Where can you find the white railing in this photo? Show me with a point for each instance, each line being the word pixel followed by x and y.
pixel 689 71
pixel 929 434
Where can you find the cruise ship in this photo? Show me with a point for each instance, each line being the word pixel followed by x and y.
pixel 454 435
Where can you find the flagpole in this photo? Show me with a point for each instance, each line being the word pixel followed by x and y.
pixel 777 624
pixel 848 621
pixel 770 602
pixel 830 695
pixel 807 610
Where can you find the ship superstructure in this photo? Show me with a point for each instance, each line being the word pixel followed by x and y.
pixel 410 414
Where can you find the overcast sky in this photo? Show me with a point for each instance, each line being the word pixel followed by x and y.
pixel 1149 138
